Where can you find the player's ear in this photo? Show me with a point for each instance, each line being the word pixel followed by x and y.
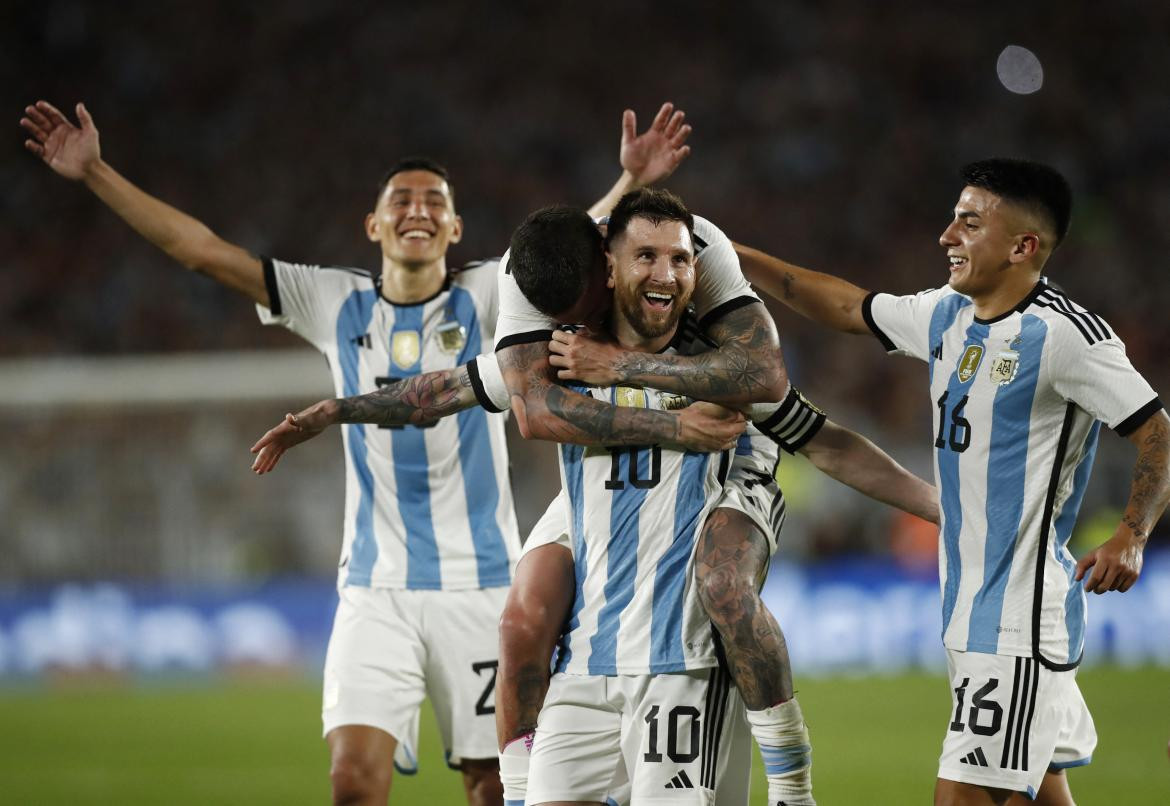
pixel 372 227
pixel 1025 248
pixel 457 230
pixel 609 263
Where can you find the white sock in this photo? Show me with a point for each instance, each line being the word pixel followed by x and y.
pixel 514 769
pixel 782 737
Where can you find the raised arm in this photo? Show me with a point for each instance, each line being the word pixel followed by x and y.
pixel 745 367
pixel 418 400
pixel 546 410
pixel 853 460
pixel 649 157
pixel 1117 563
pixel 75 153
pixel 823 298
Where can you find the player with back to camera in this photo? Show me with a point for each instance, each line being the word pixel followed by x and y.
pixel 1021 378
pixel 402 554
pixel 739 535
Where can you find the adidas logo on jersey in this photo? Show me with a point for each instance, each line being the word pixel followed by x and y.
pixel 975 758
pixel 680 781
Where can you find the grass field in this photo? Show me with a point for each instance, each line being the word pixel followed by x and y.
pixel 876 742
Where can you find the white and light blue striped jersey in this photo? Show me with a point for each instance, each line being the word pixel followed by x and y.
pixel 634 518
pixel 1018 402
pixel 425 508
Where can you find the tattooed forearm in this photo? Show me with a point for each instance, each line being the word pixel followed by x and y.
pixel 419 400
pixel 1150 491
pixel 546 410
pixel 747 366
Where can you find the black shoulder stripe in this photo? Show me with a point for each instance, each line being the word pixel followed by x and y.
pixel 477 386
pixel 1136 420
pixel 871 323
pixel 700 244
pixel 720 311
pixel 1090 324
pixel 271 286
pixel 1090 335
pixel 523 338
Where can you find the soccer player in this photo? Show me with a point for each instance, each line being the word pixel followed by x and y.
pixel 1020 380
pixel 738 538
pixel 403 556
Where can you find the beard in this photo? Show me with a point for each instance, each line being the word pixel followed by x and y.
pixel 649 327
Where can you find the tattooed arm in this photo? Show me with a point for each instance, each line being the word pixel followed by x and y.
pixel 546 410
pixel 823 298
pixel 746 366
pixel 419 400
pixel 1117 563
pixel 856 462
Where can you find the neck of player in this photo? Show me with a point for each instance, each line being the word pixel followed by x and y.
pixel 405 284
pixel 1006 296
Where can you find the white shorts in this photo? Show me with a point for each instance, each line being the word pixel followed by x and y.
pixel 391 648
pixel 1011 721
pixel 753 493
pixel 642 739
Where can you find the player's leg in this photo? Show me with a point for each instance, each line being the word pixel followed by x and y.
pixel 1053 792
pixel 361 764
pixel 459 628
pixel 534 615
pixel 371 695
pixel 731 560
pixel 957 793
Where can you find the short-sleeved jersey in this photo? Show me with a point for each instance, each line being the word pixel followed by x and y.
pixel 425 508
pixel 1018 402
pixel 719 287
pixel 634 520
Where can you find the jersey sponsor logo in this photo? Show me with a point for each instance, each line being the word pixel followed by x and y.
pixel 969 363
pixel 673 402
pixel 404 348
pixel 451 337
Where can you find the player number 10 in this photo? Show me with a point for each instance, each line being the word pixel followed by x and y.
pixel 672 731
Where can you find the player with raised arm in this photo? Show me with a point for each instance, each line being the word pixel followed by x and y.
pixel 402 556
pixel 1021 378
pixel 735 545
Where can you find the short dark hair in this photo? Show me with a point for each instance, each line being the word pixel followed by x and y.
pixel 650 203
pixel 417 164
pixel 553 253
pixel 1031 184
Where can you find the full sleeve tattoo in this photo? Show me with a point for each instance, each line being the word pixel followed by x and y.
pixel 746 367
pixel 419 400
pixel 546 410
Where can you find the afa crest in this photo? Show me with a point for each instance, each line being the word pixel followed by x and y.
pixel 404 348
pixel 451 337
pixel 969 363
pixel 1004 367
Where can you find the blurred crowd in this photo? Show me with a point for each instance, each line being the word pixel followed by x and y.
pixel 827 133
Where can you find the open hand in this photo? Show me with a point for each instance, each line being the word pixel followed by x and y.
pixel 67 149
pixel 652 156
pixel 292 431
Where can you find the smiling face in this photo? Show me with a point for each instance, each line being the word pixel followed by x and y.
pixel 652 274
pixel 414 219
pixel 987 238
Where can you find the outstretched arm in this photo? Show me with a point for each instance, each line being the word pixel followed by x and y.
pixel 546 410
pixel 419 400
pixel 853 460
pixel 1117 563
pixel 745 367
pixel 74 152
pixel 649 157
pixel 823 298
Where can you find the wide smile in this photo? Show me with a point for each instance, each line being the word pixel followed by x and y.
pixel 416 236
pixel 658 300
pixel 958 262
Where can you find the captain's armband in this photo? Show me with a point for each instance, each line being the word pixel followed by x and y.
pixel 790 425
